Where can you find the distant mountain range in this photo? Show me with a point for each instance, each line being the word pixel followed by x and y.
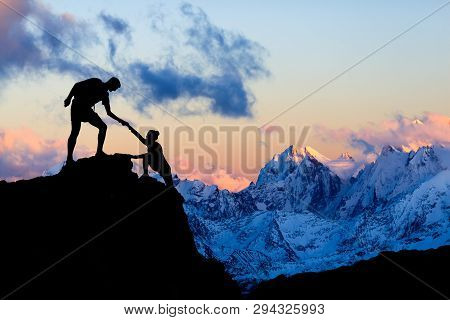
pixel 307 213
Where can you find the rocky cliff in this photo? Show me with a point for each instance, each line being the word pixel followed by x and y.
pixel 95 231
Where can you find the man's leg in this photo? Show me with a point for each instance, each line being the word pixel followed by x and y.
pixel 76 126
pixel 97 122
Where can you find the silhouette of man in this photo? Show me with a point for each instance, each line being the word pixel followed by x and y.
pixel 86 94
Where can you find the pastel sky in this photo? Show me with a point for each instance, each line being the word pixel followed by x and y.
pixel 223 63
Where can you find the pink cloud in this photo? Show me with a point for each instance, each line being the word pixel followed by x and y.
pixel 24 154
pixel 220 178
pixel 402 131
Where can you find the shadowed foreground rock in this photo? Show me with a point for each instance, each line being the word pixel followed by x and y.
pixel 393 275
pixel 146 252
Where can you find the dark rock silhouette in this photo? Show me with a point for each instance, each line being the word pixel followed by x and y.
pixel 377 278
pixel 149 255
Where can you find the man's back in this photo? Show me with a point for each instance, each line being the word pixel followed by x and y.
pixel 90 91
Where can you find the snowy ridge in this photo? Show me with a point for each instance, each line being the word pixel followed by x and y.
pixel 302 216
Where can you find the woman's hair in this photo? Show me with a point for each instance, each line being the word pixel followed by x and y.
pixel 154 133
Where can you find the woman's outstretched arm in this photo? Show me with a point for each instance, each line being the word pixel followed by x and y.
pixel 140 156
pixel 136 134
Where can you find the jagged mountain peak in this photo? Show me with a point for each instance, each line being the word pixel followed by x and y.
pixel 290 154
pixel 393 174
pixel 387 149
pixel 391 155
pixel 309 151
pixel 297 154
pixel 287 162
pixel 345 166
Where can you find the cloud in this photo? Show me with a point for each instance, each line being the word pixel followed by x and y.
pixel 24 154
pixel 228 181
pixel 117 28
pixel 226 93
pixel 402 131
pixel 232 53
pixel 212 176
pixel 364 146
pixel 220 178
pixel 26 47
pixel 116 24
pixel 221 65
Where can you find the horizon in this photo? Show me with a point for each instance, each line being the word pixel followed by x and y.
pixel 344 166
pixel 246 74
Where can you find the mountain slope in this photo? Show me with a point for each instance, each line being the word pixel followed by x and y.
pixel 393 174
pixel 302 217
pixel 129 247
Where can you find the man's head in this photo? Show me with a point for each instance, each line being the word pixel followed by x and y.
pixel 113 84
pixel 152 136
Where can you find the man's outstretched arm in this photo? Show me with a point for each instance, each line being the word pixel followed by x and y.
pixel 112 115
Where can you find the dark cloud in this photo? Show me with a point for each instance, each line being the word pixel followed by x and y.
pixel 226 92
pixel 223 63
pixel 116 24
pixel 365 147
pixel 230 52
pixel 112 48
pixel 25 47
pixel 117 28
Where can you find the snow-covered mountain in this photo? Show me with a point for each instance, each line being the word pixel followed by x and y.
pixel 345 166
pixel 305 214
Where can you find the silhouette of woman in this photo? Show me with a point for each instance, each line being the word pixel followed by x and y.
pixel 154 156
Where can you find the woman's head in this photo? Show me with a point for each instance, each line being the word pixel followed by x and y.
pixel 152 135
